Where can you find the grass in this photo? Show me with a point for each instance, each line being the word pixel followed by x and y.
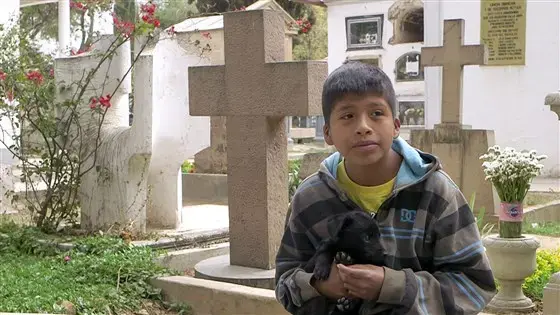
pixel 545 229
pixel 102 275
pixel 540 198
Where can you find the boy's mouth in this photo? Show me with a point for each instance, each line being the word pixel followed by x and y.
pixel 365 144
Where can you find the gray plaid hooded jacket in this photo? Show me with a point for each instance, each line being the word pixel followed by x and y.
pixel 435 261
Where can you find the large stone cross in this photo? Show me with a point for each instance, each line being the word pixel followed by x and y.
pixel 255 90
pixel 452 56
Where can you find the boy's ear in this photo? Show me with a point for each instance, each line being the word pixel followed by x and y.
pixel 327 134
pixel 397 129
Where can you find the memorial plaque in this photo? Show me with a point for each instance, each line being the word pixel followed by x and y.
pixel 502 30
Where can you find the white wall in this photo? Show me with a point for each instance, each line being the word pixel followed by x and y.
pixel 8 15
pixel 510 99
pixel 176 135
pixel 338 10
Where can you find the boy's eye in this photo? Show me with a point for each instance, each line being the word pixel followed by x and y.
pixel 346 116
pixel 377 113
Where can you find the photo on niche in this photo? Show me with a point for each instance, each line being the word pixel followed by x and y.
pixel 411 113
pixel 407 68
pixel 363 32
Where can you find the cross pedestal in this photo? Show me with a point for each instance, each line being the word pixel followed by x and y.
pixel 255 91
pixel 458 146
pixel 551 292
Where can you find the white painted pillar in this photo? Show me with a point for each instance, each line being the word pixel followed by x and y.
pixel 9 15
pixel 63 26
pixel 433 36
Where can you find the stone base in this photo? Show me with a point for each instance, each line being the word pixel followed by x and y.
pixel 504 304
pixel 219 269
pixel 459 149
pixel 217 298
pixel 200 188
pixel 185 259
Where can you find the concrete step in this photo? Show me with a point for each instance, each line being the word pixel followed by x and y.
pixel 218 298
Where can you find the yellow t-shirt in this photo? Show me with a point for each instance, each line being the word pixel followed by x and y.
pixel 369 198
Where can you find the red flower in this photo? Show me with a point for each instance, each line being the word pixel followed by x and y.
pixel 171 31
pixel 2 75
pixel 148 8
pixel 124 27
pixel 35 76
pixel 148 11
pixel 10 96
pixel 78 5
pixel 206 35
pixel 105 101
pixel 66 259
pixel 93 103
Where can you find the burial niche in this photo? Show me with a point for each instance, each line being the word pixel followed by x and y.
pixel 407 17
pixel 407 67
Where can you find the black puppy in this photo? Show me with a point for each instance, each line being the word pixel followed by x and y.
pixel 355 240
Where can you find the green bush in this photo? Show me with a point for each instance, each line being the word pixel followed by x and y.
pixel 293 173
pixel 187 167
pixel 548 263
pixel 101 275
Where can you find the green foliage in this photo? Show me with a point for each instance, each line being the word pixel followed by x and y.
pixel 295 9
pixel 546 228
pixel 483 228
pixel 187 167
pixel 548 263
pixel 294 180
pixel 313 45
pixel 172 12
pixel 99 275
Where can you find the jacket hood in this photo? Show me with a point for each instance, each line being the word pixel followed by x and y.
pixel 415 167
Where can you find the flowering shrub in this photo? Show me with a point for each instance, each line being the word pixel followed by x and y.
pixel 48 136
pixel 548 263
pixel 302 25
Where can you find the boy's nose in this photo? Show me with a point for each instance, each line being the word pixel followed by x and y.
pixel 363 127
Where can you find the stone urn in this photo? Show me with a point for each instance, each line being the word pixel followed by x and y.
pixel 512 260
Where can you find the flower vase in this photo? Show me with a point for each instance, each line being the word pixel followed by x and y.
pixel 512 260
pixel 510 219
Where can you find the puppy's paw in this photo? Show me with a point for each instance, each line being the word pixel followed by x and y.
pixel 321 271
pixel 345 304
pixel 343 258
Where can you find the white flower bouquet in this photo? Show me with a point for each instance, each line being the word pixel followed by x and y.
pixel 511 173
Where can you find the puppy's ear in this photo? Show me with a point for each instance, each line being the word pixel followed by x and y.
pixel 337 224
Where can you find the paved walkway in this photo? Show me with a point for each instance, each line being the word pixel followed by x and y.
pixel 546 184
pixel 211 217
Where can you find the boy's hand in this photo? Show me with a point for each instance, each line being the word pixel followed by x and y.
pixel 333 287
pixel 362 281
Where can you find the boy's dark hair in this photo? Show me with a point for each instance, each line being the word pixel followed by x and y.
pixel 358 78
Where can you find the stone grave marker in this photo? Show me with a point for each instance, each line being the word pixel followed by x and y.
pixel 255 92
pixel 213 159
pixel 458 146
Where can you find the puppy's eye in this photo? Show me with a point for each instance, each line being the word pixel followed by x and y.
pixel 366 237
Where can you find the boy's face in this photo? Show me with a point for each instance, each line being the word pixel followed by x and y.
pixel 362 129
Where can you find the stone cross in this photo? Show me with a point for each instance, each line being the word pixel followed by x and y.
pixel 255 90
pixel 452 56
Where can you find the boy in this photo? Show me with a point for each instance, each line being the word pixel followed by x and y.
pixel 435 263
